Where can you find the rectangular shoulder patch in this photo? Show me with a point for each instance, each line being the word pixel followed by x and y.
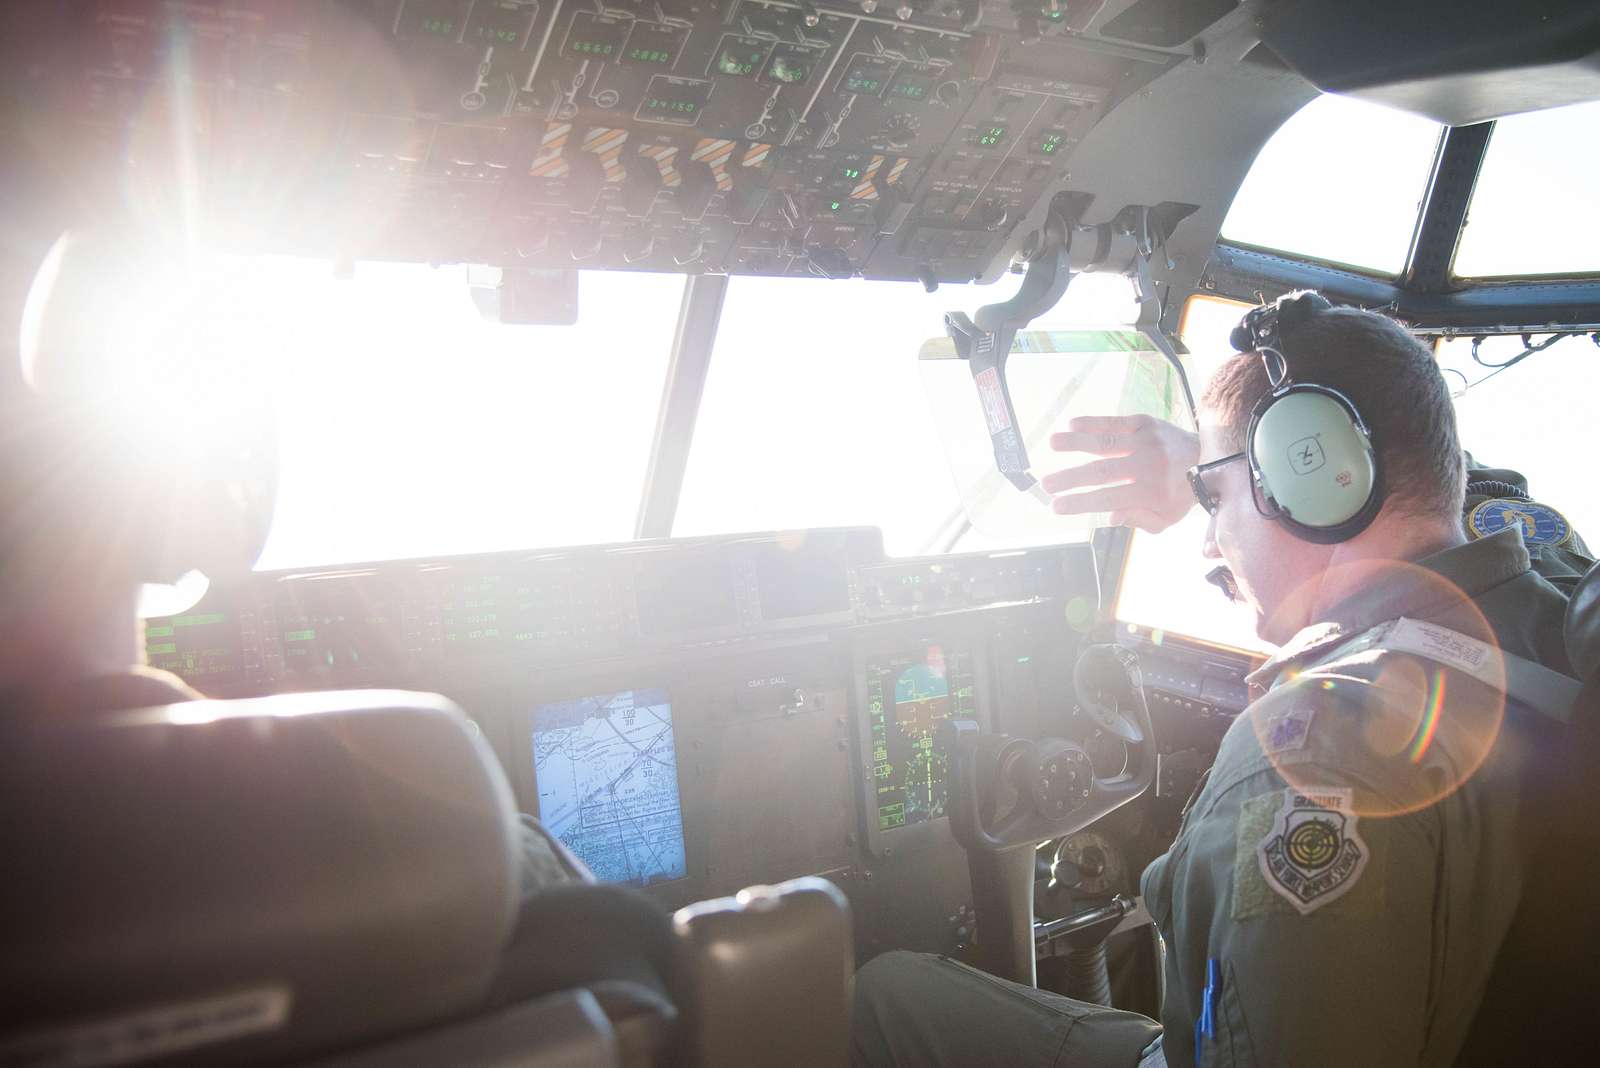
pixel 1298 851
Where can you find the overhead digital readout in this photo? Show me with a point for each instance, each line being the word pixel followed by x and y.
pixel 594 37
pixel 1050 142
pixel 501 23
pixel 867 75
pixel 740 57
pixel 792 64
pixel 653 44
pixel 991 136
pixel 912 85
pixel 439 19
pixel 674 100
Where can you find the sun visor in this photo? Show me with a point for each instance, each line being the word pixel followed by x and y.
pixel 1054 376
pixel 1458 62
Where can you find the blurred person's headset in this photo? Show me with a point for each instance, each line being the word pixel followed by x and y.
pixel 1311 456
pixel 143 453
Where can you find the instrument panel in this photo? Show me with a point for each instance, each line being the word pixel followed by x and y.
pixel 695 716
pixel 744 136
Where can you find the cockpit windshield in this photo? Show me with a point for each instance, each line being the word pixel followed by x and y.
pixel 411 425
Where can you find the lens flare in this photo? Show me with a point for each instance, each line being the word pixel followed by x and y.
pixel 1393 724
pixel 1431 718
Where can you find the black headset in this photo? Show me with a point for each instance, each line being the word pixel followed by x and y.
pixel 1311 454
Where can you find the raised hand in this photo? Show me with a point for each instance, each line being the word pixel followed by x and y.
pixel 1141 478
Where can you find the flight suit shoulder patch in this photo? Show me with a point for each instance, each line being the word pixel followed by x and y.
pixel 1286 730
pixel 1300 850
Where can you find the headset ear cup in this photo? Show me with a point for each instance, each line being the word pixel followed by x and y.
pixel 1315 463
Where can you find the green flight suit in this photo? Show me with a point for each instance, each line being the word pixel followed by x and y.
pixel 1343 879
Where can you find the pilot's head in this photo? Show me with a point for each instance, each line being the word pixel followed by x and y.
pixel 1395 385
pixel 136 448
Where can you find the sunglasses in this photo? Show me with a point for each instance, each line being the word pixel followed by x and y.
pixel 1198 485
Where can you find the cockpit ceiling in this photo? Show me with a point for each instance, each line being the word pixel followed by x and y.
pixel 753 137
pixel 919 139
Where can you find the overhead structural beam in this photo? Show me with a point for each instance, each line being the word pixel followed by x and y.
pixel 1508 307
pixel 698 317
pixel 1444 211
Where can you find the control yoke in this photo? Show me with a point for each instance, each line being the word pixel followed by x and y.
pixel 1053 781
pixel 1008 794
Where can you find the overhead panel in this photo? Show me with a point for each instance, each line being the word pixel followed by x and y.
pixel 900 140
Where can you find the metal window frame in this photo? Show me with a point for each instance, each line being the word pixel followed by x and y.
pixel 693 341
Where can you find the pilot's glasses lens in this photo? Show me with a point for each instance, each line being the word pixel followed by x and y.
pixel 1197 481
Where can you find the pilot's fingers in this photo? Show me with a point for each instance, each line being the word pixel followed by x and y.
pixel 1104 435
pixel 1109 499
pixel 1095 473
pixel 1142 518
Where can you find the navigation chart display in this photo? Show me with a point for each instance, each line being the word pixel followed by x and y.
pixel 908 696
pixel 607 775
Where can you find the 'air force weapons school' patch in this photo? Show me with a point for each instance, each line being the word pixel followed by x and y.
pixel 1312 855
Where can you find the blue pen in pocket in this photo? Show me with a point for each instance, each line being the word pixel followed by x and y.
pixel 1206 1026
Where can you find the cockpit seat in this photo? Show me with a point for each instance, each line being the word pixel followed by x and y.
pixel 332 879
pixel 1540 1000
pixel 1583 626
pixel 250 881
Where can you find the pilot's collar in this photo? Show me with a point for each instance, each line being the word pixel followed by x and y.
pixel 1471 569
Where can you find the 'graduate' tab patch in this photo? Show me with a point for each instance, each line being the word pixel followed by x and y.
pixel 1312 854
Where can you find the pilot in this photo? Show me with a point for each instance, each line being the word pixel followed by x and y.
pixel 131 456
pixel 1345 874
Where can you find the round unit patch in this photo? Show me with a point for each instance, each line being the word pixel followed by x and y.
pixel 1541 524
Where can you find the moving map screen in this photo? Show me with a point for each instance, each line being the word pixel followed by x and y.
pixel 607 775
pixel 908 696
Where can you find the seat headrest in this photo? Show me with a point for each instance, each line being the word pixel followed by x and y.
pixel 1583 625
pixel 249 880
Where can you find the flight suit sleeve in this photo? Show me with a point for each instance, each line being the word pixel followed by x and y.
pixel 1302 901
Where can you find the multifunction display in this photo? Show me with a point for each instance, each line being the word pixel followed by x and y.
pixel 606 768
pixel 908 696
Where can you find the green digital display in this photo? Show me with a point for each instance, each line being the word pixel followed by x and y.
pixel 868 74
pixel 792 64
pixel 911 87
pixel 1050 143
pixel 592 37
pixel 834 205
pixel 990 136
pixel 498 23
pixel 740 57
pixel 674 100
pixel 438 27
pixel 653 44
pixel 851 173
